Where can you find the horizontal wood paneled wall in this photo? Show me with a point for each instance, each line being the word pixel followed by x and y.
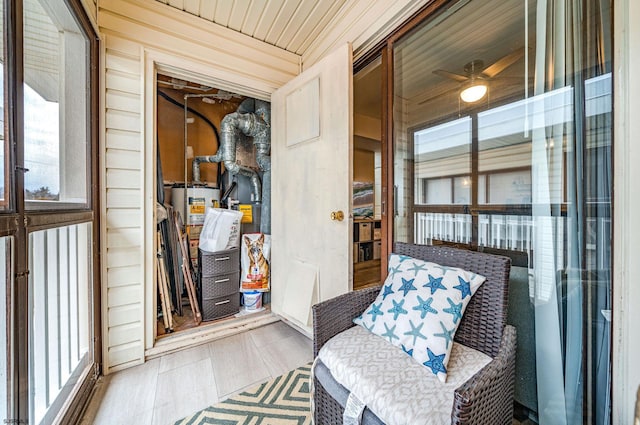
pixel 132 32
pixel 237 57
pixel 123 278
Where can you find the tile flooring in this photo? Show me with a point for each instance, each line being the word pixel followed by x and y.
pixel 166 389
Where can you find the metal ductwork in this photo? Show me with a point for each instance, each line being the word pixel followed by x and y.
pixel 253 119
pixel 262 142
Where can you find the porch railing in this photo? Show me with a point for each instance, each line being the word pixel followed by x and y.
pixel 60 281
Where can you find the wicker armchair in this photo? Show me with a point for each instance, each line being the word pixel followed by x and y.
pixel 487 397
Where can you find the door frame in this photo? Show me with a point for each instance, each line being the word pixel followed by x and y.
pixel 18 222
pixel 155 62
pixel 625 374
pixel 384 50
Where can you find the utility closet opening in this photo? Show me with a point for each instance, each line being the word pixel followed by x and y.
pixel 213 206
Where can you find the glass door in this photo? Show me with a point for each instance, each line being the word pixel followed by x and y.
pixel 7 232
pixel 502 142
pixel 368 238
pixel 48 229
pixel 5 284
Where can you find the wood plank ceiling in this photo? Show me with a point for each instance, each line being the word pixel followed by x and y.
pixel 291 25
pixel 486 30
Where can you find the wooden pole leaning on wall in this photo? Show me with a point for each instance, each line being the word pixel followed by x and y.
pixel 165 321
pixel 161 278
pixel 167 289
pixel 186 271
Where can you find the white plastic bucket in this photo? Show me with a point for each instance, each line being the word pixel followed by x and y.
pixel 252 300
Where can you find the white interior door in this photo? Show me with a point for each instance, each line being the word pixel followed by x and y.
pixel 312 151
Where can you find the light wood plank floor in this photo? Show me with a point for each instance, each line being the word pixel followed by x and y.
pixel 166 389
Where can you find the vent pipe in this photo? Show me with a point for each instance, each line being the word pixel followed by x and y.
pixel 253 119
pixel 262 142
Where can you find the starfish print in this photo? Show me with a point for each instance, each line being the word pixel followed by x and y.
pixel 394 270
pixel 424 307
pixel 402 258
pixel 387 290
pixel 474 275
pixel 416 268
pixel 445 269
pixel 397 309
pixel 464 287
pixel 375 311
pixel 455 310
pixel 390 333
pixel 370 329
pixel 407 285
pixel 435 362
pixel 415 332
pixel 446 334
pixel 408 351
pixel 435 283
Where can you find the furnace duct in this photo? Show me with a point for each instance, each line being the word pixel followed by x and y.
pixel 253 119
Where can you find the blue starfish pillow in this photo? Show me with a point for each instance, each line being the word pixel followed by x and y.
pixel 419 309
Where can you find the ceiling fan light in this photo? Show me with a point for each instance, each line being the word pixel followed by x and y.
pixel 474 92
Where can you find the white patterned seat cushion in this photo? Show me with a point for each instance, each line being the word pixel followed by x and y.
pixel 392 385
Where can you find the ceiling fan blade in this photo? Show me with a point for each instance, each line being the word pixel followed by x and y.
pixel 515 79
pixel 438 95
pixel 451 75
pixel 503 63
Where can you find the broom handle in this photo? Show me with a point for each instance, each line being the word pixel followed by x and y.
pixel 159 281
pixel 191 291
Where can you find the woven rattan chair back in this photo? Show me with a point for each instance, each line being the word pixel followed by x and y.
pixel 484 319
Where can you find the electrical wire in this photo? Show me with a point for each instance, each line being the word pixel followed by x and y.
pixel 193 111
pixel 199 115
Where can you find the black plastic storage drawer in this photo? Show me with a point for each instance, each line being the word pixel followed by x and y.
pixel 220 285
pixel 219 262
pixel 215 308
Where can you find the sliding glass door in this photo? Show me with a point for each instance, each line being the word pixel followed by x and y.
pixel 502 142
pixel 7 233
pixel 5 284
pixel 48 228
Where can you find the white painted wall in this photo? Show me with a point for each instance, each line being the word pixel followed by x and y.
pixel 626 234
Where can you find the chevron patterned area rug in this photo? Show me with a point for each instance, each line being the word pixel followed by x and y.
pixel 281 401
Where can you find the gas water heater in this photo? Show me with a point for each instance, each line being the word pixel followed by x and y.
pixel 196 200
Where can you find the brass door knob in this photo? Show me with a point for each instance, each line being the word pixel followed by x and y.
pixel 337 215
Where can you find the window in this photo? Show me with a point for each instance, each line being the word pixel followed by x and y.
pixel 50 285
pixel 57 143
pixel 55 105
pixel 524 169
pixel 4 175
pixel 5 250
pixel 5 240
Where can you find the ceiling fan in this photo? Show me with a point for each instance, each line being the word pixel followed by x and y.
pixel 476 75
